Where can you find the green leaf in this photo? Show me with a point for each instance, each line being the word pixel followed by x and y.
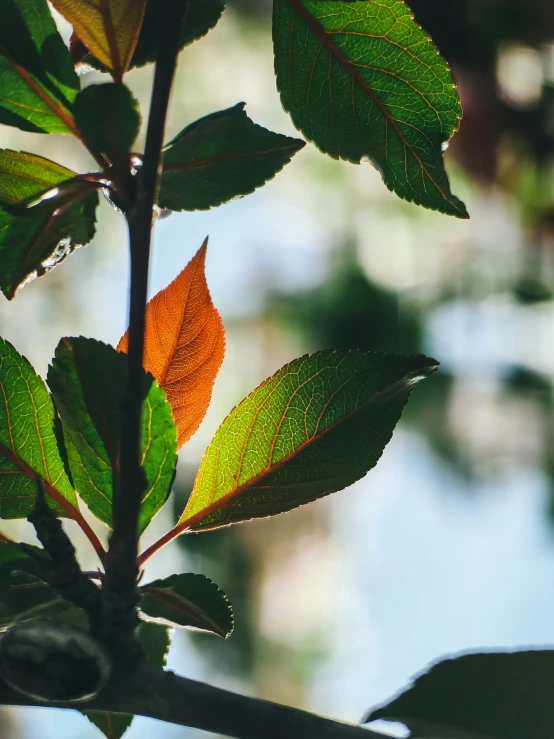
pixel 38 83
pixel 363 81
pixel 188 600
pixel 36 234
pixel 479 696
pixel 22 589
pixel 155 641
pixel 201 17
pixel 87 380
pixel 315 427
pixel 108 117
pixel 28 444
pixel 222 156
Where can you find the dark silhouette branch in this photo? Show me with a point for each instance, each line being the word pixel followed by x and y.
pixel 178 700
pixel 120 585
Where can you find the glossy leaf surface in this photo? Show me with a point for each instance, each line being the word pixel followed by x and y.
pixel 220 157
pixel 108 28
pixel 363 81
pixel 315 427
pixel 38 83
pixel 108 117
pixel 184 345
pixel 34 239
pixel 155 641
pixel 482 696
pixel 188 600
pixel 28 444
pixel 87 379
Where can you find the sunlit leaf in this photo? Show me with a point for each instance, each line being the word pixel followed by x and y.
pixel 184 345
pixel 188 600
pixel 34 239
pixel 363 81
pixel 315 427
pixel 108 28
pixel 28 444
pixel 222 156
pixel 155 641
pixel 108 117
pixel 87 380
pixel 479 696
pixel 201 16
pixel 38 83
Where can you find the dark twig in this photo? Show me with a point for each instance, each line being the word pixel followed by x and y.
pixel 120 585
pixel 65 576
pixel 178 700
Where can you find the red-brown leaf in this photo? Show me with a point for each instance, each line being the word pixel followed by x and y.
pixel 184 344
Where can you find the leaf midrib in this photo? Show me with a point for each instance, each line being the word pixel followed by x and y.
pixel 214 506
pixel 210 161
pixel 298 7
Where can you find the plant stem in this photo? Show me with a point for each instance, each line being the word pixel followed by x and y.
pixel 120 585
pixel 178 700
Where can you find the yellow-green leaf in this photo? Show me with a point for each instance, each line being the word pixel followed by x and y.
pixel 108 28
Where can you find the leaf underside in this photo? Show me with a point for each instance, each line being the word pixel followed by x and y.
pixel 108 28
pixel 87 379
pixel 315 427
pixel 479 696
pixel 188 600
pixel 28 444
pixel 363 81
pixel 34 239
pixel 184 345
pixel 220 157
pixel 38 83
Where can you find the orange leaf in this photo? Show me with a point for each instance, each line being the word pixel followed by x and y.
pixel 108 28
pixel 184 344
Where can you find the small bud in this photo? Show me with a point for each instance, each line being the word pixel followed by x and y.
pixel 53 662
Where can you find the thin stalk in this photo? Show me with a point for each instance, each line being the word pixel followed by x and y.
pixel 120 586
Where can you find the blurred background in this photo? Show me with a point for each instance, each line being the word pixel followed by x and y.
pixel 448 545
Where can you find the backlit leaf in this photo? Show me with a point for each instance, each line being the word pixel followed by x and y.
pixel 38 83
pixel 479 696
pixel 188 600
pixel 108 117
pixel 34 239
pixel 155 641
pixel 184 345
pixel 87 379
pixel 28 444
pixel 363 81
pixel 222 156
pixel 108 28
pixel 201 16
pixel 315 427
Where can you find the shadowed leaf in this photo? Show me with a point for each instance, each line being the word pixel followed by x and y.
pixel 37 80
pixel 28 445
pixel 184 345
pixel 108 28
pixel 108 117
pixel 34 239
pixel 155 641
pixel 22 589
pixel 87 380
pixel 188 600
pixel 363 81
pixel 479 696
pixel 315 427
pixel 220 157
